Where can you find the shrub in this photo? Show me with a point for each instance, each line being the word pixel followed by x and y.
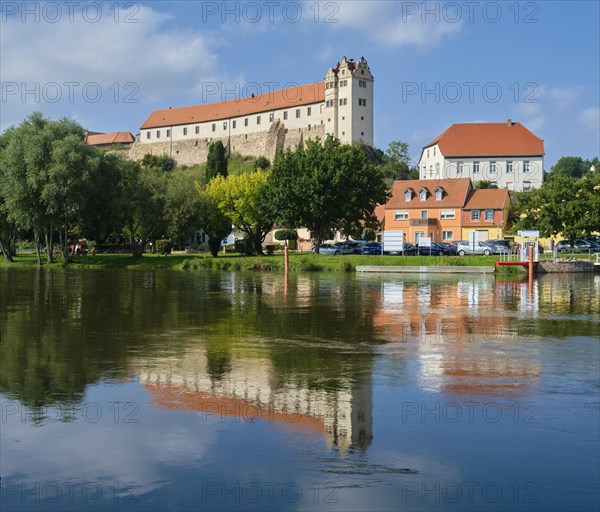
pixel 286 234
pixel 244 246
pixel 164 246
pixel 270 248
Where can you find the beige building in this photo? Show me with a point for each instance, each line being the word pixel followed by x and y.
pixel 507 154
pixel 262 125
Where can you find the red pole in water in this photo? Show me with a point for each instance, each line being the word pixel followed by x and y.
pixel 286 258
pixel 530 249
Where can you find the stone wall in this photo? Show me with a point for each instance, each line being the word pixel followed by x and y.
pixel 195 151
pixel 562 266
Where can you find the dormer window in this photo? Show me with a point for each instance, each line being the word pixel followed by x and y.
pixel 439 192
pixel 423 194
pixel 408 195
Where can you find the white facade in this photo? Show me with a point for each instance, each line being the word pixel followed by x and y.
pixel 347 113
pixel 516 173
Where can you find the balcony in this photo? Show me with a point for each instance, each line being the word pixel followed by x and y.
pixel 423 222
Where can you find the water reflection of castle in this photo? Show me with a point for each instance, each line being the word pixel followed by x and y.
pixel 251 391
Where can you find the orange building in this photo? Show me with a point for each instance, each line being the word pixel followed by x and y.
pixel 446 210
pixel 486 212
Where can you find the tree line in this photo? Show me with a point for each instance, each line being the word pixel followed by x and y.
pixel 54 187
pixel 567 203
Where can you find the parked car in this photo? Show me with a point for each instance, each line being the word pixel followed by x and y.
pixel 330 249
pixel 351 246
pixel 436 249
pixel 409 250
pixel 579 246
pixel 476 248
pixel 372 248
pixel 499 246
pixel 595 244
pixel 451 247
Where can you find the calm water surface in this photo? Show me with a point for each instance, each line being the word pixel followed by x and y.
pixel 166 390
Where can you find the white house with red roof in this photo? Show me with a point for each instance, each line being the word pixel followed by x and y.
pixel 507 154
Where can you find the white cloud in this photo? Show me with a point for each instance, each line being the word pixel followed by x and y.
pixel 589 118
pixel 389 24
pixel 561 97
pixel 157 58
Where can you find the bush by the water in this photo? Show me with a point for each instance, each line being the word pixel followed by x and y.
pixel 164 246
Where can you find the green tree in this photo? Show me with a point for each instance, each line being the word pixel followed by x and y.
pixel 162 162
pixel 33 171
pixel 214 223
pixel 396 161
pixel 183 207
pixel 244 199
pixel 8 229
pixel 216 162
pixel 262 163
pixel 562 205
pixel 326 186
pixel 572 166
pixel 143 209
pixel 484 184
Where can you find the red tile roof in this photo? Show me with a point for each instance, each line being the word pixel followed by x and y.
pixel 488 139
pixel 181 399
pixel 102 139
pixel 487 199
pixel 283 98
pixel 455 192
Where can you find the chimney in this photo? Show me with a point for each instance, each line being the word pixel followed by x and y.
pixel 509 123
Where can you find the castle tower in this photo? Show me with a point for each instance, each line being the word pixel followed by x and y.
pixel 348 111
pixel 330 113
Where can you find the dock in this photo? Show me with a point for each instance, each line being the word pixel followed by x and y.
pixel 426 269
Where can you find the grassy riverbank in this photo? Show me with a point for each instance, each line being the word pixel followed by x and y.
pixel 298 262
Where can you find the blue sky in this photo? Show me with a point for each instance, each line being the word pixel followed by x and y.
pixel 434 63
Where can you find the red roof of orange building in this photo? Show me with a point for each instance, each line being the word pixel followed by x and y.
pixel 273 100
pixel 101 139
pixel 454 193
pixel 487 199
pixel 488 139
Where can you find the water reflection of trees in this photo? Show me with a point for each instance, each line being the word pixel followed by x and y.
pixel 63 330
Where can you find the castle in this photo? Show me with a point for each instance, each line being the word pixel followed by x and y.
pixel 266 124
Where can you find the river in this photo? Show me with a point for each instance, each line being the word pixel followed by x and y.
pixel 172 390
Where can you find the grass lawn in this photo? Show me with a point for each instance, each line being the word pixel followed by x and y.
pixel 298 261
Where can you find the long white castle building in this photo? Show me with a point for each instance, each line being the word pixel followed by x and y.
pixel 262 125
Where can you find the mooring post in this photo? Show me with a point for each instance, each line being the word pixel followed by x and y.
pixel 530 268
pixel 286 258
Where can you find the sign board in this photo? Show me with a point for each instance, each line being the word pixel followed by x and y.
pixel 425 241
pixel 473 240
pixel 393 241
pixel 529 234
